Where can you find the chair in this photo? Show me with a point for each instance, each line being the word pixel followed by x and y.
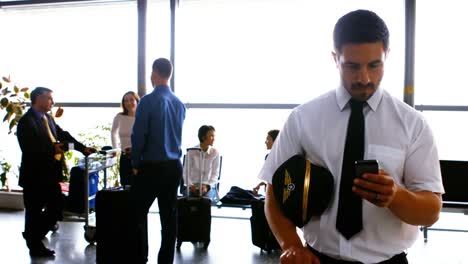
pixel 455 199
pixel 216 186
pixel 183 188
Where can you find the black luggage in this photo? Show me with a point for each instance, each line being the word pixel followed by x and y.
pixel 193 214
pixel 239 196
pixel 76 194
pixel 115 237
pixel 262 236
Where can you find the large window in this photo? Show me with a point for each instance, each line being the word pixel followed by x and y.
pixel 440 71
pixel 84 52
pixel 240 137
pixel 227 51
pixel 276 51
pixel 158 28
pixel 440 59
pixel 450 131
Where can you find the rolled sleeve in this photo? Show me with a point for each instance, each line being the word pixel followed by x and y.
pixel 214 170
pixel 114 132
pixel 422 170
pixel 139 132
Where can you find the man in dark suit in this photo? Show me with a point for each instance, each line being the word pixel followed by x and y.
pixel 41 169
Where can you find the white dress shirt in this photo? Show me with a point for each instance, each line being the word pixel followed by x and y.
pixel 209 167
pixel 395 134
pixel 121 131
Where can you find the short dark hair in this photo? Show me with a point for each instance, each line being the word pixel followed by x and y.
pixel 203 131
pixel 360 26
pixel 163 67
pixel 38 91
pixel 273 134
pixel 137 98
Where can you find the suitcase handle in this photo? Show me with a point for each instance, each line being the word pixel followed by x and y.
pixel 187 162
pixel 189 149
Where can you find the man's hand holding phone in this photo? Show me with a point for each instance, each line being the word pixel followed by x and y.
pixel 373 184
pixel 58 148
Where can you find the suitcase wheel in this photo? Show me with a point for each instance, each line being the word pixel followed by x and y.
pixel 55 227
pixel 205 245
pixel 179 243
pixel 90 234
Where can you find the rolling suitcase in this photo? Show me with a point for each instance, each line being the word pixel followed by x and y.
pixel 262 236
pixel 193 213
pixel 114 234
pixel 76 192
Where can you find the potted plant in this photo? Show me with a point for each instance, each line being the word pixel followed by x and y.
pixel 11 199
pixel 4 169
pixel 99 138
pixel 14 101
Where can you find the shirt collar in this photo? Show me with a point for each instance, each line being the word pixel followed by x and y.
pixel 342 98
pixel 208 151
pixel 161 88
pixel 37 113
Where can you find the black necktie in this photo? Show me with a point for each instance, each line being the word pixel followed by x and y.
pixel 349 217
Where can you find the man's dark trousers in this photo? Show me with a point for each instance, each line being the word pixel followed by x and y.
pixel 156 180
pixel 43 208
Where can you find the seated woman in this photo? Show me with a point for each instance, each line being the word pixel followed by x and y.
pixel 270 139
pixel 121 132
pixel 208 167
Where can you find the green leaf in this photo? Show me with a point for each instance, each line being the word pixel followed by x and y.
pixel 7 116
pixel 9 108
pixel 13 123
pixel 26 95
pixel 16 89
pixel 18 109
pixel 3 178
pixel 4 102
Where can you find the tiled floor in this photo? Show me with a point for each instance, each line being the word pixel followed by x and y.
pixel 230 242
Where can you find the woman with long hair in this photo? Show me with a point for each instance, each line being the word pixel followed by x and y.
pixel 121 132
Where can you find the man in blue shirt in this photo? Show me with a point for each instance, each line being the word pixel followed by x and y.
pixel 156 152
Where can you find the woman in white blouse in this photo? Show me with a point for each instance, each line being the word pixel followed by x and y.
pixel 208 167
pixel 121 132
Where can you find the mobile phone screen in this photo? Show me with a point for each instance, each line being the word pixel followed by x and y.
pixel 366 166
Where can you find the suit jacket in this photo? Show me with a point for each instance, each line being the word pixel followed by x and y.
pixel 38 165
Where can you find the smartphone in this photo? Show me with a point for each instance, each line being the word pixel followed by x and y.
pixel 64 147
pixel 366 166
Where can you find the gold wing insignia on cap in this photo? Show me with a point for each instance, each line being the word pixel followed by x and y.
pixel 288 186
pixel 305 197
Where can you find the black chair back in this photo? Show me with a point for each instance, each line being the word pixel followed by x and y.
pixel 455 180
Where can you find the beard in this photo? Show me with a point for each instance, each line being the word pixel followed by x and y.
pixel 360 91
pixel 360 86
